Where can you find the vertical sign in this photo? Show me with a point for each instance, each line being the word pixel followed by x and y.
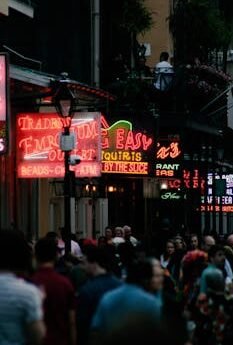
pixel 3 101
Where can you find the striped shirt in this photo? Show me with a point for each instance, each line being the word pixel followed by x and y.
pixel 20 304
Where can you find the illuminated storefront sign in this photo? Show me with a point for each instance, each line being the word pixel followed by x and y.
pixel 38 149
pixel 220 200
pixel 188 181
pixel 3 102
pixel 128 151
pixel 166 169
pixel 168 157
pixel 170 196
pixel 124 151
pixel 217 208
pixel 171 150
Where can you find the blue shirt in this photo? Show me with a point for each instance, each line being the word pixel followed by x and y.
pixel 208 271
pixel 88 299
pixel 122 303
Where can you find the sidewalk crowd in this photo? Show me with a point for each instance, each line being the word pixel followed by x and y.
pixel 116 289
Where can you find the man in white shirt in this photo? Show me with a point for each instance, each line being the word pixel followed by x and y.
pixel 128 235
pixel 164 73
pixel 21 313
pixel 75 247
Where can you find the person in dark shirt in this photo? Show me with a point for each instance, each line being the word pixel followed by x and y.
pixel 59 302
pixel 95 262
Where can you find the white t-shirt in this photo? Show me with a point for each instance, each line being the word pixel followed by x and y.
pixel 164 75
pixel 117 240
pixel 75 248
pixel 20 304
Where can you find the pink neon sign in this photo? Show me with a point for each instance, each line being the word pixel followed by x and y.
pixel 38 148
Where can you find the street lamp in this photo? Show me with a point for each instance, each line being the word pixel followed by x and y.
pixel 64 101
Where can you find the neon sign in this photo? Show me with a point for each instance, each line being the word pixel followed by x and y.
pixel 166 169
pixel 38 148
pixel 212 201
pixel 3 102
pixel 189 181
pixel 216 208
pixel 170 196
pixel 168 155
pixel 124 150
pixel 170 151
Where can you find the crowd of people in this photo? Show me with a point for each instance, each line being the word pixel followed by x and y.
pixel 115 290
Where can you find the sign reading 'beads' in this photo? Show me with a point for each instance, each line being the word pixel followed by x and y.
pixel 38 145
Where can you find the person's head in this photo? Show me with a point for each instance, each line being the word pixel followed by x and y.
pixel 127 231
pixel 217 255
pixel 194 242
pixel 228 252
pixel 46 251
pixel 170 247
pixel 157 276
pixel 230 240
pixel 15 253
pixel 179 243
pixel 94 260
pixel 108 233
pixel 215 283
pixel 208 241
pixel 193 263
pixel 61 233
pixel 146 273
pixel 164 56
pixel 118 232
pixel 52 235
pixel 102 241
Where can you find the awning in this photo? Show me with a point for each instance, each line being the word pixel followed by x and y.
pixel 32 84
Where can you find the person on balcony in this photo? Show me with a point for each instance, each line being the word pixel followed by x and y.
pixel 164 73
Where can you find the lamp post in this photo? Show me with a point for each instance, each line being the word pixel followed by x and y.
pixel 64 100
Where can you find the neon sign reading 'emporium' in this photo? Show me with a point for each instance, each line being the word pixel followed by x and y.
pixel 38 148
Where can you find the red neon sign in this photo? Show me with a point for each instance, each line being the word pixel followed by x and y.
pixel 216 208
pixel 38 148
pixel 195 181
pixel 170 151
pixel 3 101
